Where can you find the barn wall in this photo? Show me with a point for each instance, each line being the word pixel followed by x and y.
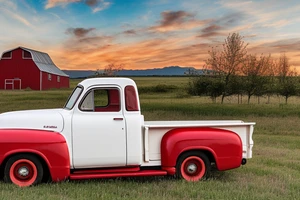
pixel 65 82
pixel 53 83
pixel 17 67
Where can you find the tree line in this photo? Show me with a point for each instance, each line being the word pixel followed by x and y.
pixel 232 71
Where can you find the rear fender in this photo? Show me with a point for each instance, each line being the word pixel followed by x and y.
pixel 47 145
pixel 225 146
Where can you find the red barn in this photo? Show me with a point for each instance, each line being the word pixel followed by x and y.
pixel 22 68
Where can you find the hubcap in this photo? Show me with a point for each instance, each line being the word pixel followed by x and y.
pixel 23 171
pixel 192 168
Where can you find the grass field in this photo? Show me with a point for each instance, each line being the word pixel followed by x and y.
pixel 272 173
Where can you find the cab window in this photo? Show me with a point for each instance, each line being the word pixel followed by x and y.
pixel 102 100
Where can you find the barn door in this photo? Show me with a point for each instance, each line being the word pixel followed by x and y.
pixel 12 84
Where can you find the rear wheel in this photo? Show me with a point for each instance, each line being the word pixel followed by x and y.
pixel 23 170
pixel 192 166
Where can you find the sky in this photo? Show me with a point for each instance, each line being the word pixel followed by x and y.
pixel 142 34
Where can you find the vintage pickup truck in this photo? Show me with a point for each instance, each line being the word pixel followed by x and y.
pixel 100 133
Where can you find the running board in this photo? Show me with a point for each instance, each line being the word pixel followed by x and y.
pixel 79 176
pixel 107 170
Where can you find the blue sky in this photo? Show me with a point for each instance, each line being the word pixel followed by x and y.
pixel 89 34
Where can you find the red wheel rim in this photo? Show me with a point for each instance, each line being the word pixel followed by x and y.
pixel 192 168
pixel 23 172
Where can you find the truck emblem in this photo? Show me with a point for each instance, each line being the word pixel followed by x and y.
pixel 50 126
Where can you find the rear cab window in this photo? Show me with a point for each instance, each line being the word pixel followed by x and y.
pixel 131 99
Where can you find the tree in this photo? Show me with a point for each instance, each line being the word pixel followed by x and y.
pixel 110 70
pixel 270 88
pixel 227 62
pixel 215 89
pixel 206 85
pixel 287 78
pixel 98 73
pixel 255 70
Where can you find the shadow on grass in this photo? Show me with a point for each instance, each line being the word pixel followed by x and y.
pixel 148 179
pixel 213 175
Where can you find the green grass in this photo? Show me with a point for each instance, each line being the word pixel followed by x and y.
pixel 272 173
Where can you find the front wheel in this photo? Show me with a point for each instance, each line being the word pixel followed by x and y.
pixel 192 166
pixel 23 170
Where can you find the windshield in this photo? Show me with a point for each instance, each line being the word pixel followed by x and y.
pixel 73 98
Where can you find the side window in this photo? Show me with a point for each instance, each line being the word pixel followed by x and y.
pixel 102 100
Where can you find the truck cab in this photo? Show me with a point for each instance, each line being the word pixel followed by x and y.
pixel 106 123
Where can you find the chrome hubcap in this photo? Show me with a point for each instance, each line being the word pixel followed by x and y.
pixel 192 168
pixel 23 171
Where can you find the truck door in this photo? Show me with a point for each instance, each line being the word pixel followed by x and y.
pixel 98 127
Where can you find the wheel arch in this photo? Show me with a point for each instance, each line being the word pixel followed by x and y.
pixel 223 147
pixel 50 147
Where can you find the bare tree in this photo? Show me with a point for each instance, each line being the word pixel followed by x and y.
pixel 98 73
pixel 112 69
pixel 227 62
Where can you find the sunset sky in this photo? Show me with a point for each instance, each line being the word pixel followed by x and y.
pixel 89 34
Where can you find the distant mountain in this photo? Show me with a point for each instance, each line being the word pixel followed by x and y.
pixel 166 71
pixel 79 73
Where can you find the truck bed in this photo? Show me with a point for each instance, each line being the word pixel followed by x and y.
pixel 154 131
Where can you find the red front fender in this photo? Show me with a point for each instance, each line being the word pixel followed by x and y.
pixel 49 146
pixel 225 146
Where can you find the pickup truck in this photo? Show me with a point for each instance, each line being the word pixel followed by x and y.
pixel 100 133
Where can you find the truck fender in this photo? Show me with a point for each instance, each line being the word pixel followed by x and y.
pixel 223 147
pixel 49 146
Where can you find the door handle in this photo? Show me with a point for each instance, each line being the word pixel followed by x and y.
pixel 118 118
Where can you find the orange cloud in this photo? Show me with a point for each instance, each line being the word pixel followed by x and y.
pixel 154 53
pixel 96 52
pixel 289 46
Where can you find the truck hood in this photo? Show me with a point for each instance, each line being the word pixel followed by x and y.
pixel 46 119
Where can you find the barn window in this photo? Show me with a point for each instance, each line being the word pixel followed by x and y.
pixel 49 77
pixel 7 55
pixel 26 55
pixel 58 78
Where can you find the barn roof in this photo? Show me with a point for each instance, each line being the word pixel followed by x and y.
pixel 42 61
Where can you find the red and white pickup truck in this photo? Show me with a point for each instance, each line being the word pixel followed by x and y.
pixel 101 133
